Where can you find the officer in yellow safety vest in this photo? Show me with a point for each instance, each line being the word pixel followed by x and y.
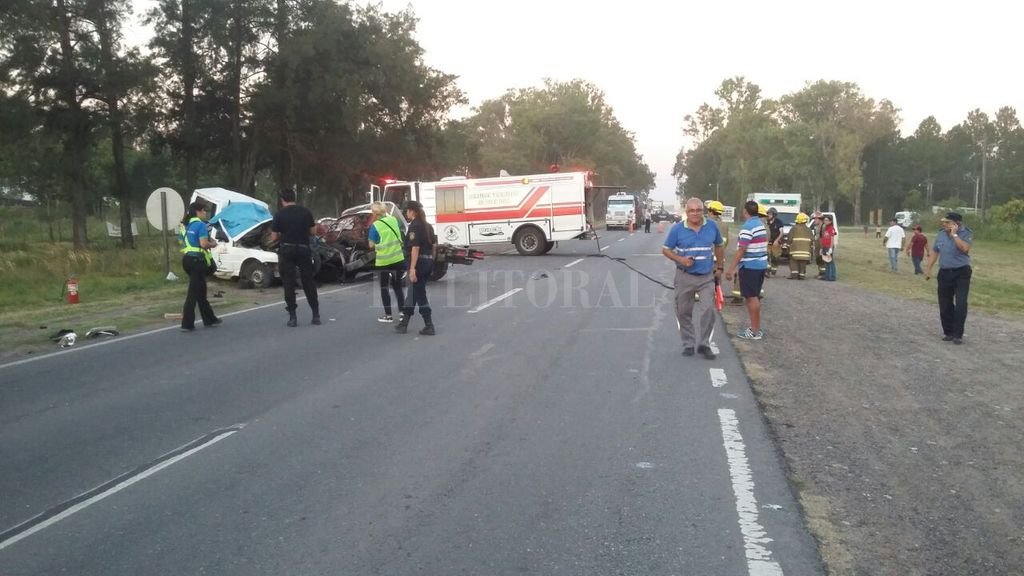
pixel 386 240
pixel 800 239
pixel 196 260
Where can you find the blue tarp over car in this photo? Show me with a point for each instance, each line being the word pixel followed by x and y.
pixel 240 217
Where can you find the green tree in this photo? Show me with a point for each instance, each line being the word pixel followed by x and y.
pixel 348 99
pixel 48 59
pixel 568 124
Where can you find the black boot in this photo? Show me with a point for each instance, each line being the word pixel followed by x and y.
pixel 292 320
pixel 428 328
pixel 403 324
pixel 316 318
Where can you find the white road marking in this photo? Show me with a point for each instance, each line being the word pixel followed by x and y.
pixel 755 539
pixel 718 378
pixel 605 248
pixel 113 490
pixel 644 465
pixel 621 240
pixel 158 330
pixel 573 263
pixel 494 301
pixel 714 347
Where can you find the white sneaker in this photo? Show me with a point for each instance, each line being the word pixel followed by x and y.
pixel 749 334
pixel 385 319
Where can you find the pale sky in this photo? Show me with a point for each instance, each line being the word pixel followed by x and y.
pixel 658 60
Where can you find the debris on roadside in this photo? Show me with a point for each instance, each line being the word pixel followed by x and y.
pixel 56 336
pixel 102 331
pixel 67 340
pixel 172 316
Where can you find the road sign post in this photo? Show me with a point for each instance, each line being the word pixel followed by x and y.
pixel 164 207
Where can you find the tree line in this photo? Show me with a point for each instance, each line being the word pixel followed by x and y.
pixel 256 95
pixel 843 150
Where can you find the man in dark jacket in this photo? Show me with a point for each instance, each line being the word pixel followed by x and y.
pixel 293 227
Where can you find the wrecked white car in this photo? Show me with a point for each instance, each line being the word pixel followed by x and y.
pixel 244 249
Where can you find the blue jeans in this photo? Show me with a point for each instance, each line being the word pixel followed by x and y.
pixel 830 267
pixel 917 264
pixel 893 255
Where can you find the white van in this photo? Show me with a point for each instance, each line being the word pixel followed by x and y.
pixel 907 218
pixel 243 237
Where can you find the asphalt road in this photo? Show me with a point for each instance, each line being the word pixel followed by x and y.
pixel 551 427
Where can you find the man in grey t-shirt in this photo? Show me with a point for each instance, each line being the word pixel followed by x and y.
pixel 952 249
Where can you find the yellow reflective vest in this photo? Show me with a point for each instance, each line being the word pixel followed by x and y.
pixel 187 248
pixel 389 249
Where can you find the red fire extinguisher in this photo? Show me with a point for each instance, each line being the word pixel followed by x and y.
pixel 72 290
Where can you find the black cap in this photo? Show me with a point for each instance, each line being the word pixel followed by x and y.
pixel 954 217
pixel 413 205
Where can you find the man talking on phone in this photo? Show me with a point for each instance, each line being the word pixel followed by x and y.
pixel 952 249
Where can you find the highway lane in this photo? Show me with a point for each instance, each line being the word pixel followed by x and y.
pixel 556 431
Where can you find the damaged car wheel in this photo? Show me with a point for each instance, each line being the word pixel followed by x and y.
pixel 255 274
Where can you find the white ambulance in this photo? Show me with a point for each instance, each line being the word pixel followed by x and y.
pixel 532 212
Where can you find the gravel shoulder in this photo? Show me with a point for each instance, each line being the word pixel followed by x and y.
pixel 907 452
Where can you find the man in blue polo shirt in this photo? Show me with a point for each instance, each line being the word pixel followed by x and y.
pixel 752 261
pixel 952 249
pixel 694 246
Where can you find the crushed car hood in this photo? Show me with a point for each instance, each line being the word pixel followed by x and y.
pixel 239 218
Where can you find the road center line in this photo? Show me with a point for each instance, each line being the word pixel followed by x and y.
pixel 718 378
pixel 83 501
pixel 605 248
pixel 573 263
pixel 621 239
pixel 494 301
pixel 755 539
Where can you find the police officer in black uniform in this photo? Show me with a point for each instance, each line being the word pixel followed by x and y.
pixel 292 227
pixel 419 250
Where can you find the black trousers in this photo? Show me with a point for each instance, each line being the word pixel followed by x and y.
pixel 391 279
pixel 647 224
pixel 419 290
pixel 954 284
pixel 195 267
pixel 292 258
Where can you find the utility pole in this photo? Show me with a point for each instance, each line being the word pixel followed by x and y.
pixel 976 181
pixel 984 165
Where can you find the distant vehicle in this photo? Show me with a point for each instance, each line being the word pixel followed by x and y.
pixel 661 215
pixel 623 211
pixel 786 205
pixel 907 218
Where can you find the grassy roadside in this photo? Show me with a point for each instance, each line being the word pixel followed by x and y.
pixel 997 285
pixel 117 287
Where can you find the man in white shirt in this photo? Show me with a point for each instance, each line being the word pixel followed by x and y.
pixel 893 240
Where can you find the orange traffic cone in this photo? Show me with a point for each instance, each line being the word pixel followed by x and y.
pixel 630 227
pixel 661 227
